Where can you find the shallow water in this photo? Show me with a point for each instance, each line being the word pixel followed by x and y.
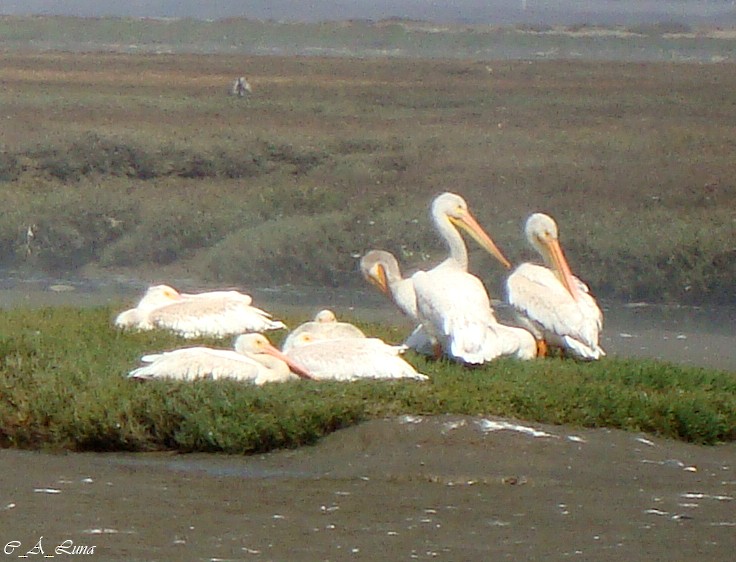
pixel 441 488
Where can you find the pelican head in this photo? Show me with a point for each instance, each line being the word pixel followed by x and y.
pixel 453 208
pixel 380 268
pixel 258 345
pixel 325 317
pixel 159 295
pixel 305 338
pixel 541 232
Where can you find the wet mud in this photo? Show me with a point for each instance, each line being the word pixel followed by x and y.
pixel 413 488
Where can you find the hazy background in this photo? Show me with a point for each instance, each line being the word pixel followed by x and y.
pixel 609 12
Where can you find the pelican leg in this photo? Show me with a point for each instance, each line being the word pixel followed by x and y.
pixel 437 350
pixel 542 348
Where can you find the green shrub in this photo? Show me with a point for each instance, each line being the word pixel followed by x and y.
pixel 9 167
pixel 316 249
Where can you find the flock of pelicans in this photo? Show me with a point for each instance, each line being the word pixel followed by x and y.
pixel 450 306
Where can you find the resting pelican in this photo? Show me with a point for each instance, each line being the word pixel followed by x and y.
pixel 381 269
pixel 453 305
pixel 550 301
pixel 215 314
pixel 324 327
pixel 254 360
pixel 348 359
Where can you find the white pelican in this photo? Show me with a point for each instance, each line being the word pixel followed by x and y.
pixel 324 327
pixel 453 305
pixel 254 360
pixel 381 269
pixel 349 359
pixel 215 314
pixel 550 301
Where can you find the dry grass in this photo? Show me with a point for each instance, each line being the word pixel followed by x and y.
pixel 634 160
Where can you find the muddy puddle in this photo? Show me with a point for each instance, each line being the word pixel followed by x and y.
pixel 411 488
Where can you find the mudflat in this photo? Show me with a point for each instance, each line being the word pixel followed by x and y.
pixel 411 488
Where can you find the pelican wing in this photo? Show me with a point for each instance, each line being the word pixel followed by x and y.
pixel 196 363
pixel 132 319
pixel 322 331
pixel 236 296
pixel 420 341
pixel 549 310
pixel 216 317
pixel 454 307
pixel 352 359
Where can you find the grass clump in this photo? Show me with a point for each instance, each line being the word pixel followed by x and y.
pixel 91 154
pixel 62 384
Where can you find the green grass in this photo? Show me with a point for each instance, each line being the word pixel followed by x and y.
pixel 63 385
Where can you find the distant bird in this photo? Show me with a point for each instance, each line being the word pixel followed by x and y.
pixel 30 237
pixel 215 314
pixel 550 301
pixel 381 269
pixel 254 360
pixel 324 327
pixel 349 359
pixel 453 305
pixel 241 87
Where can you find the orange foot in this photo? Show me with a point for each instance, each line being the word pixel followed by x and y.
pixel 542 348
pixel 437 350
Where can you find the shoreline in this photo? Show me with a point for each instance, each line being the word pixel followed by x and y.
pixel 691 335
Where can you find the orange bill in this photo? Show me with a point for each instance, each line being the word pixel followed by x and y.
pixel 471 226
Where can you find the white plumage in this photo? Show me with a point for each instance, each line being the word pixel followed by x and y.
pixel 325 326
pixel 551 302
pixel 214 314
pixel 453 305
pixel 254 360
pixel 460 314
pixel 349 359
pixel 381 269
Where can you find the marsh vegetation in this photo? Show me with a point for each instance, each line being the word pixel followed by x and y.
pixel 144 164
pixel 63 384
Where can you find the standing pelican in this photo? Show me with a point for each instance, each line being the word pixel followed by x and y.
pixel 453 305
pixel 254 360
pixel 381 269
pixel 324 327
pixel 550 301
pixel 348 359
pixel 215 314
